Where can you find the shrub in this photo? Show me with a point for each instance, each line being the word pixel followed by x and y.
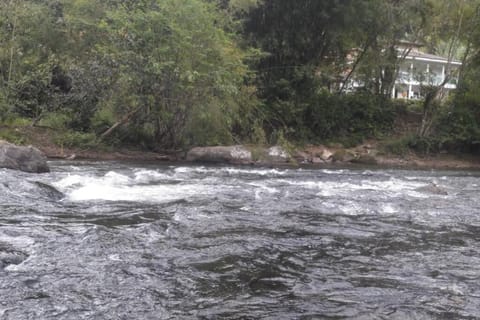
pixel 358 115
pixel 73 139
pixel 55 120
pixel 13 136
pixel 398 146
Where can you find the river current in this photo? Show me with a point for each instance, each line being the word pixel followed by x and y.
pixel 107 240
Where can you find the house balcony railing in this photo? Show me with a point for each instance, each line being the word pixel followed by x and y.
pixel 407 79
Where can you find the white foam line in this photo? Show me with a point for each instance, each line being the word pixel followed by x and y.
pixel 231 171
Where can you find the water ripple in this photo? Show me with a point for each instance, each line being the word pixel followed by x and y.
pixel 111 240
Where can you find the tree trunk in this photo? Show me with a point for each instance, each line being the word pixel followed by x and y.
pixel 354 67
pixel 429 108
pixel 12 48
pixel 122 121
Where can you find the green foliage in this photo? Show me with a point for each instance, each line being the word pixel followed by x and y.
pixel 103 119
pixel 397 146
pixel 72 139
pixel 14 121
pixel 4 109
pixel 458 126
pixel 207 126
pixel 459 129
pixel 413 142
pixel 31 95
pixel 172 64
pixel 174 73
pixel 55 120
pixel 258 135
pixel 175 62
pixel 424 145
pixel 12 135
pixel 355 115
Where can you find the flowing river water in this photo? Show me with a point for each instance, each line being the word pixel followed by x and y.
pixel 109 240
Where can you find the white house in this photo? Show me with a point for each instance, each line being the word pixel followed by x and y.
pixel 419 69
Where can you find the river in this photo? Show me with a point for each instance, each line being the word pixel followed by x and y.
pixel 108 240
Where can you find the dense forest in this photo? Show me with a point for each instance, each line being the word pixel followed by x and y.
pixel 169 74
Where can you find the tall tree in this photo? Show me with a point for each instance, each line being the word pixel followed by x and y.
pixel 451 31
pixel 175 59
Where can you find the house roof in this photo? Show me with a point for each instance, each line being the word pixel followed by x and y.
pixel 417 55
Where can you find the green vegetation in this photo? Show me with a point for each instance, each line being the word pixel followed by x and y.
pixel 169 74
pixel 11 135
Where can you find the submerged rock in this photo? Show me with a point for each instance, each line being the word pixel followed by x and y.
pixel 28 159
pixel 48 191
pixel 432 188
pixel 9 255
pixel 228 154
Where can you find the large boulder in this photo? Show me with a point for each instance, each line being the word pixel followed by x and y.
pixel 227 154
pixel 27 159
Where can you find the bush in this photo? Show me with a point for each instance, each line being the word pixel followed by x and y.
pixel 102 120
pixel 420 145
pixel 358 115
pixel 398 146
pixel 73 139
pixel 13 136
pixel 459 129
pixel 4 110
pixel 14 121
pixel 208 125
pixel 55 120
pixel 424 145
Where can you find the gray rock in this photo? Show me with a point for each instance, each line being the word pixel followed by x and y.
pixel 302 157
pixel 10 255
pixel 326 155
pixel 317 160
pixel 227 154
pixel 343 155
pixel 432 188
pixel 28 159
pixel 48 191
pixel 277 154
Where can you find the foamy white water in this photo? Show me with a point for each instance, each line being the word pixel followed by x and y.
pixel 119 187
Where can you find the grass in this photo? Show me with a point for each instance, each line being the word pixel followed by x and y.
pixel 13 135
pixel 73 139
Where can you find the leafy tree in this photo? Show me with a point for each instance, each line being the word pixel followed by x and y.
pixel 174 61
pixel 453 30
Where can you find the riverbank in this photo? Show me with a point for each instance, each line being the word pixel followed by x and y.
pixel 410 161
pixel 369 153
